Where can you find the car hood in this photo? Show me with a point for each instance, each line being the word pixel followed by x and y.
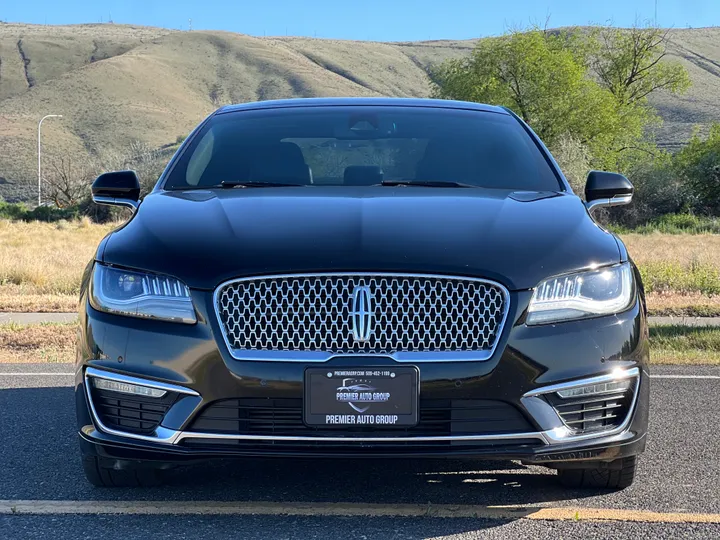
pixel 207 237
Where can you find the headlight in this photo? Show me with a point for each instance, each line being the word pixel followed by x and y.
pixel 593 293
pixel 138 294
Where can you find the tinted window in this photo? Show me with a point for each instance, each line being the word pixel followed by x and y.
pixel 363 146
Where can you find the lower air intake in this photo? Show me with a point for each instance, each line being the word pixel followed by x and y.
pixel 130 413
pixel 592 413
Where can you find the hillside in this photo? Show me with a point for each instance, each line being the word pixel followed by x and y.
pixel 115 83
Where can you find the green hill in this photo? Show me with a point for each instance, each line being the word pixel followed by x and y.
pixel 116 84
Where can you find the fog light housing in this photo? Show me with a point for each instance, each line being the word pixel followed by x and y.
pixel 127 388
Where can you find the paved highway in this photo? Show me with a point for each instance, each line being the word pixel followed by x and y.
pixel 43 493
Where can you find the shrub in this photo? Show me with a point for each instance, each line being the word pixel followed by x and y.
pixel 12 211
pixel 51 213
pixel 673 224
pixel 659 190
pixel 699 165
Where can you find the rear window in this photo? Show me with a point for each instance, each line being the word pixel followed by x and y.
pixel 362 146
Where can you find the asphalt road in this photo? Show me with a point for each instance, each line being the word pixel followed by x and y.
pixel 680 472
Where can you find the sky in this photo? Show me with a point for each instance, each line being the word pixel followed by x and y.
pixel 382 20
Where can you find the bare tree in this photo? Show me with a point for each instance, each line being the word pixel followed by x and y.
pixel 146 161
pixel 69 178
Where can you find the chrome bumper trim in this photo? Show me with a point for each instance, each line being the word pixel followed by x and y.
pixel 161 435
pixel 613 376
pixel 554 431
pixel 231 437
pixel 129 379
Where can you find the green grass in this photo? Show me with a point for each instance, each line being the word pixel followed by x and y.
pixel 695 277
pixel 685 345
pixel 674 224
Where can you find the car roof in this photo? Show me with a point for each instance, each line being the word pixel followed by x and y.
pixel 360 101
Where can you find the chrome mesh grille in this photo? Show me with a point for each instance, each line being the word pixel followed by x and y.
pixel 314 313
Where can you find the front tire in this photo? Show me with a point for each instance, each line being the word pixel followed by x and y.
pixel 99 473
pixel 619 475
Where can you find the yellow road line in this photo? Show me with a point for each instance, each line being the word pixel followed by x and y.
pixel 38 507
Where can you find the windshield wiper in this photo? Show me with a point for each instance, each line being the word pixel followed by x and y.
pixel 251 184
pixel 430 183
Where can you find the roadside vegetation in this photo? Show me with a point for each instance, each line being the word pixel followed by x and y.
pixel 56 343
pixel 586 93
pixel 685 345
pixel 37 343
pixel 41 265
pixel 673 224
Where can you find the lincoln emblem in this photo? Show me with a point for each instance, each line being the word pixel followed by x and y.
pixel 361 313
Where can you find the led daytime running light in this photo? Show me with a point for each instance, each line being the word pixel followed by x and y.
pixel 127 388
pixel 594 389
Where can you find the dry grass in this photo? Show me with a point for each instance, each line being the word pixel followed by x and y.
pixel 19 299
pixel 689 304
pixel 680 271
pixel 56 343
pixel 37 343
pixel 41 263
pixel 678 248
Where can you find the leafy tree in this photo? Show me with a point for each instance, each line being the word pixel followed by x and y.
pixel 574 160
pixel 547 78
pixel 537 75
pixel 632 63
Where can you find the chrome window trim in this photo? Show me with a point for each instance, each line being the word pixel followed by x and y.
pixel 400 356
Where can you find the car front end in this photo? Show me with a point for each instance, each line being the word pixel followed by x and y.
pixel 361 321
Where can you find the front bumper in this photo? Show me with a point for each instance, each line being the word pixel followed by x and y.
pixel 545 447
pixel 528 360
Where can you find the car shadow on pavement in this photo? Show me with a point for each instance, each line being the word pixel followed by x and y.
pixel 382 481
pixel 41 461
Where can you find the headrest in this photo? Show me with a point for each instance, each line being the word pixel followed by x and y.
pixel 280 162
pixel 362 175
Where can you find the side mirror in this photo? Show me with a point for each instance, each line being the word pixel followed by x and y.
pixel 121 188
pixel 607 189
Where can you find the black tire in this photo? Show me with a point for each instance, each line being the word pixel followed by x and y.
pixel 610 478
pixel 101 476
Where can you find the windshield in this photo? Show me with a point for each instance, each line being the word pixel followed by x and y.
pixel 363 146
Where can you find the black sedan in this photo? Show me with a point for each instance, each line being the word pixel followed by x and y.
pixel 355 278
